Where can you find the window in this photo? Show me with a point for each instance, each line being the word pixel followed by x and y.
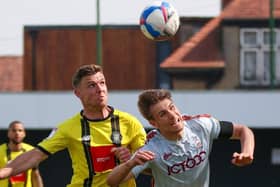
pixel 255 69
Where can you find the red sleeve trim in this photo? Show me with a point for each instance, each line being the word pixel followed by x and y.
pixel 185 117
pixel 151 134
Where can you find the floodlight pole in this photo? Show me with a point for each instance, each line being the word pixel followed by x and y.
pixel 271 41
pixel 98 35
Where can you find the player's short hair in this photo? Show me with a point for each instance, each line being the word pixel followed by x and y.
pixel 151 97
pixel 84 70
pixel 11 124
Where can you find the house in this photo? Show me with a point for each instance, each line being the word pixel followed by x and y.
pixel 231 51
pixel 11 73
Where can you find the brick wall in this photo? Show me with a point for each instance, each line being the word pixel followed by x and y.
pixel 11 73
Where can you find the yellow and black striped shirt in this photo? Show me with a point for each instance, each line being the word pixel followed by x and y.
pixel 96 157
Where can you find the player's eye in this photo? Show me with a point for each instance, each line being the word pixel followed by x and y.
pixel 102 82
pixel 162 113
pixel 91 85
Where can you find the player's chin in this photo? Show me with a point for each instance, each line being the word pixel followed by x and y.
pixel 177 127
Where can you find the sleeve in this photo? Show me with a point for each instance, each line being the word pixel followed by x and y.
pixel 140 168
pixel 55 142
pixel 212 126
pixel 3 156
pixel 139 137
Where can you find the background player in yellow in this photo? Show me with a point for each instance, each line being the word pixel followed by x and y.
pixel 97 138
pixel 12 149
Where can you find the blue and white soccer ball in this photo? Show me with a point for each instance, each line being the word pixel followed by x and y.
pixel 159 21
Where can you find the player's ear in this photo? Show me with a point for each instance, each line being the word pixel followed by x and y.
pixel 153 123
pixel 24 134
pixel 76 92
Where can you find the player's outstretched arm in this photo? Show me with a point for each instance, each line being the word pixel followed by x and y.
pixel 23 162
pixel 247 140
pixel 123 172
pixel 36 178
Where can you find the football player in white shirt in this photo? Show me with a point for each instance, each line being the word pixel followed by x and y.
pixel 177 150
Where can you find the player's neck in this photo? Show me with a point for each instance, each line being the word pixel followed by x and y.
pixel 173 136
pixel 97 113
pixel 15 147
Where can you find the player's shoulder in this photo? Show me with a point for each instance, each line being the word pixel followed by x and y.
pixel 196 117
pixel 3 149
pixel 201 121
pixel 70 121
pixel 152 135
pixel 3 146
pixel 126 118
pixel 123 114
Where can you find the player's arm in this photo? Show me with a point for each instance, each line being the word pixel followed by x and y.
pixel 122 172
pixel 23 162
pixel 122 153
pixel 247 140
pixel 36 178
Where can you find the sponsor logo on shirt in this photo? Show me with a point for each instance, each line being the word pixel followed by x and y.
pixel 166 156
pixel 187 164
pixel 21 177
pixel 103 158
pixel 197 142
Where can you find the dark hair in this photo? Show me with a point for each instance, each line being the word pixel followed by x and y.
pixel 83 71
pixel 14 122
pixel 151 97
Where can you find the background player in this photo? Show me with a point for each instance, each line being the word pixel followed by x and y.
pixel 93 136
pixel 177 151
pixel 14 148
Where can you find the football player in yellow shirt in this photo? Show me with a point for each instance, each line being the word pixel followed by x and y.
pixel 11 150
pixel 98 137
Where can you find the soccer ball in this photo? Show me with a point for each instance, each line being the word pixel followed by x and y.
pixel 159 21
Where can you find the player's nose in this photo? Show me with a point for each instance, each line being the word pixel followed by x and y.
pixel 171 115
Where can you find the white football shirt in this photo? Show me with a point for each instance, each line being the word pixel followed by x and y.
pixel 183 163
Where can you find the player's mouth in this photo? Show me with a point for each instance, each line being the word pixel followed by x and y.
pixel 101 97
pixel 176 122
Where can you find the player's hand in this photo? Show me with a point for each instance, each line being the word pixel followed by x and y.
pixel 141 157
pixel 122 153
pixel 242 159
pixel 5 172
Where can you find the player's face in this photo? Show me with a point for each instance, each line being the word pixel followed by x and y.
pixel 16 133
pixel 93 91
pixel 167 118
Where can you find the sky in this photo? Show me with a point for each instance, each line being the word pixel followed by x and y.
pixel 14 15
